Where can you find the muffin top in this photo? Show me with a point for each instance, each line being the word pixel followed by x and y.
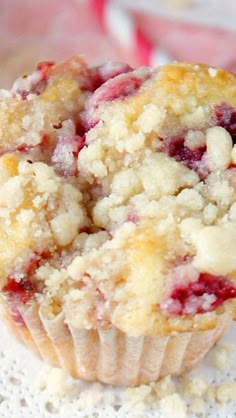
pixel 118 195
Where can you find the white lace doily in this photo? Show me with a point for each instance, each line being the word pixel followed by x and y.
pixel 23 394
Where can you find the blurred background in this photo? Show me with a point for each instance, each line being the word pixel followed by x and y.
pixel 140 32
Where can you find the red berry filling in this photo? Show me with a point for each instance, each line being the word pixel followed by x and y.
pixel 176 148
pixel 25 148
pixel 133 217
pixel 118 87
pixel 203 295
pixel 36 88
pixel 24 288
pixel 38 80
pixel 226 117
pixel 22 291
pixel 19 292
pixel 99 75
pixel 43 67
pixel 65 155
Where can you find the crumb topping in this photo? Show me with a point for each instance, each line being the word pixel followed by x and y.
pixel 121 183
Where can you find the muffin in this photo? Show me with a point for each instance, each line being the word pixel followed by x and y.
pixel 118 216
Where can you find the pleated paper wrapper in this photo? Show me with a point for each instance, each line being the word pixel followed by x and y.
pixel 109 356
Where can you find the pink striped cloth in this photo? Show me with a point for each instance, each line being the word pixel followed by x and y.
pixel 32 31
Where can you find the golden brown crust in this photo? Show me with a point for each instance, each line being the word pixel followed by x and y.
pixel 205 84
pixel 25 122
pixel 182 87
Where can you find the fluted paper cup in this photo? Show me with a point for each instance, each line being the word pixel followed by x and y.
pixel 110 356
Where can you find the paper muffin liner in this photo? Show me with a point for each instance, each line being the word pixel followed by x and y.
pixel 110 356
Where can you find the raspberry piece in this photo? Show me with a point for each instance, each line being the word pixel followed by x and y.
pixel 25 148
pixel 43 67
pixel 175 148
pixel 203 295
pixel 65 155
pixel 22 291
pixel 34 83
pixel 102 73
pixel 119 87
pixel 133 217
pixel 16 293
pixel 226 117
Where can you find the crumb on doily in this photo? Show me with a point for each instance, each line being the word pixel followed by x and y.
pixel 161 395
pixel 197 407
pixel 193 386
pixel 189 394
pixel 55 382
pixel 221 356
pixel 222 393
pixel 171 404
pixel 150 394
